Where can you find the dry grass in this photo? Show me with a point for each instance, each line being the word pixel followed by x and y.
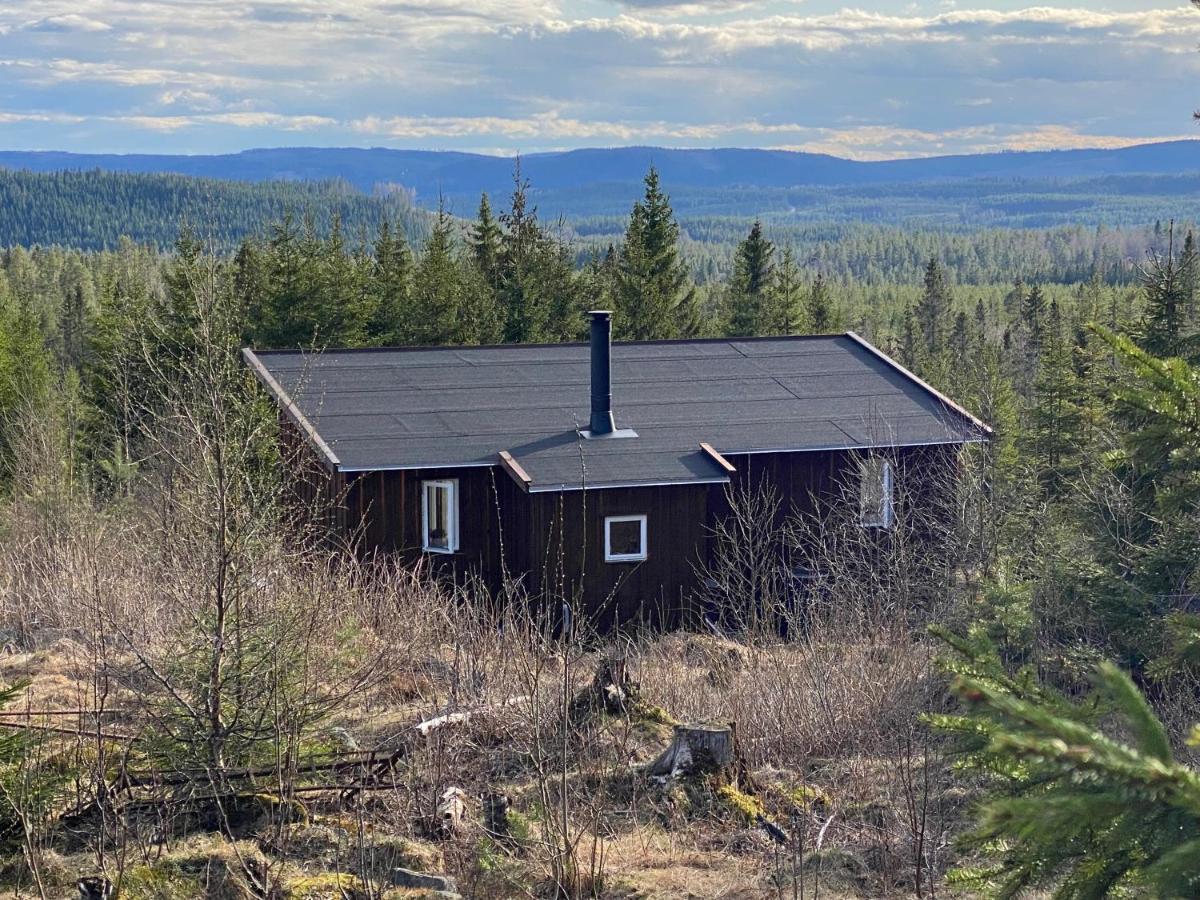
pixel 89 604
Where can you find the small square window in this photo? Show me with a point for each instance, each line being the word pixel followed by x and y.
pixel 439 516
pixel 875 493
pixel 624 538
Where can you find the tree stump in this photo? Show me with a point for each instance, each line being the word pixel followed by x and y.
pixel 612 691
pixel 495 815
pixel 696 750
pixel 94 887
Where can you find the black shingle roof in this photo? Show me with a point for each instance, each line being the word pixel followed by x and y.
pixel 461 406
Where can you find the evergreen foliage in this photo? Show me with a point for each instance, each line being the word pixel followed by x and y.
pixel 1073 808
pixel 753 273
pixel 653 297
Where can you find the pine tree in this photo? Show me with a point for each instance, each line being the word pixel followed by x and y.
pixel 654 297
pixel 752 277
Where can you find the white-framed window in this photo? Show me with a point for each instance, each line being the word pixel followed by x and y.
pixel 439 516
pixel 875 493
pixel 624 538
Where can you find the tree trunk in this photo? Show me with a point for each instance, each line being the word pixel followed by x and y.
pixel 697 749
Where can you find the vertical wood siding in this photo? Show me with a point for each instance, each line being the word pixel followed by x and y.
pixel 553 543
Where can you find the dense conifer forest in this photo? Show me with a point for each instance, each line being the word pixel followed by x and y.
pixel 1064 603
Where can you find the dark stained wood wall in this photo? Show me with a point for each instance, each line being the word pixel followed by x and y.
pixel 566 543
pixel 387 507
pixel 553 543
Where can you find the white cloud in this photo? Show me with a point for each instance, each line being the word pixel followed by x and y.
pixel 538 73
pixel 66 22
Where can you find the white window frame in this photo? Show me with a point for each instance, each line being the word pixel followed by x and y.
pixel 450 485
pixel 887 512
pixel 611 557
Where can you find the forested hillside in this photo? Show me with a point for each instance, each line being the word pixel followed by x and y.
pixel 89 202
pixel 93 210
pixel 1007 707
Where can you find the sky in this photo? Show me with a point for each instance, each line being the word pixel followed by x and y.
pixel 886 79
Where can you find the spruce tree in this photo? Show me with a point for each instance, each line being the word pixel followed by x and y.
pixel 393 317
pixel 1081 810
pixel 73 325
pixel 1033 317
pixel 654 298
pixel 1055 419
pixel 1165 282
pixel 522 288
pixel 486 239
pixel 1189 277
pixel 1157 415
pixel 251 290
pixel 438 289
pixel 783 311
pixel 822 317
pixel 752 275
pixel 933 310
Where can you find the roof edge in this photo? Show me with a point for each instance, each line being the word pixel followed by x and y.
pixel 920 382
pixel 538 345
pixel 284 400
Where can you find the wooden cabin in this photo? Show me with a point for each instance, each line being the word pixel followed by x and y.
pixel 514 463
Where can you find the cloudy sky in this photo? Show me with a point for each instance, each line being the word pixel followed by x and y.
pixel 880 79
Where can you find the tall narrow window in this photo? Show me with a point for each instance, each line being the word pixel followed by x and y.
pixel 439 516
pixel 875 493
pixel 624 538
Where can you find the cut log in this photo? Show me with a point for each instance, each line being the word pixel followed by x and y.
pixel 442 885
pixel 429 726
pixel 451 812
pixel 695 750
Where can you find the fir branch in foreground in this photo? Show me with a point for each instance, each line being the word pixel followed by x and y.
pixel 1073 808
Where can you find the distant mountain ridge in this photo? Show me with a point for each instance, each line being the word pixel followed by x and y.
pixel 90 200
pixel 428 173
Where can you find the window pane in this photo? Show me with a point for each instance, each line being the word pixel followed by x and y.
pixel 625 538
pixel 437 505
pixel 873 496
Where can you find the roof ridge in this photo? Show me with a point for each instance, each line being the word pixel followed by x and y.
pixel 450 348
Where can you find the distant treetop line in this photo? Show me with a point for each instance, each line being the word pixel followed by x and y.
pixel 987 229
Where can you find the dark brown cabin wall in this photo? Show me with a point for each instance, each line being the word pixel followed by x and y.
pixel 552 543
pixel 806 482
pixel 387 506
pixel 567 552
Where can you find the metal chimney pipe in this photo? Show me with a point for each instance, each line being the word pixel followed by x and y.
pixel 602 417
